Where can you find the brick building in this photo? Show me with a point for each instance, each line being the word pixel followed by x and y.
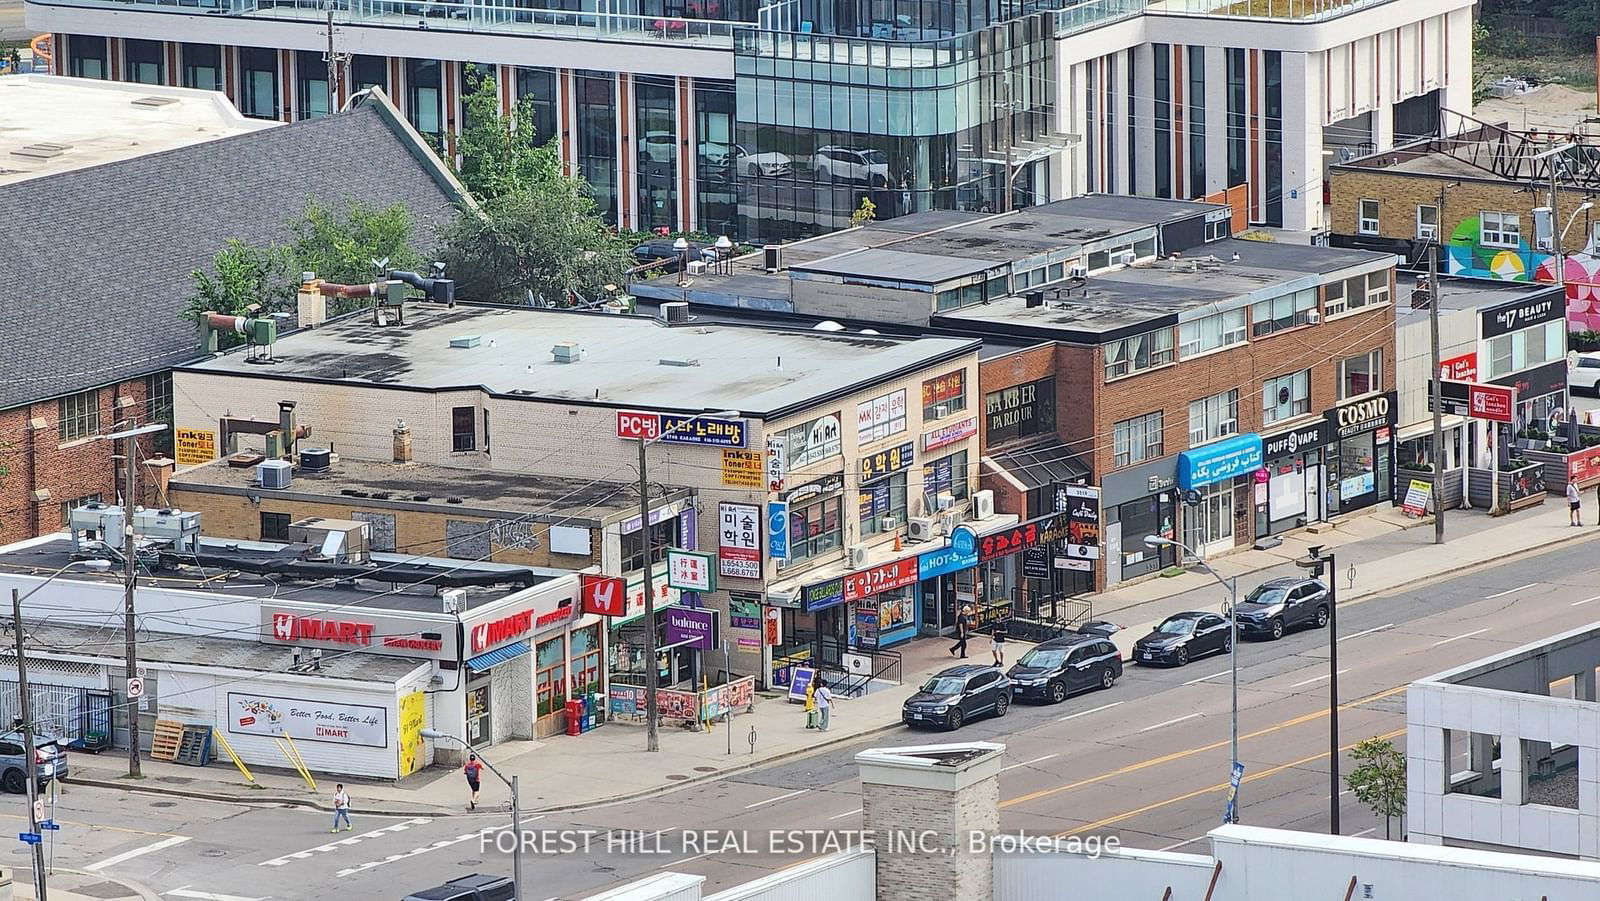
pixel 98 320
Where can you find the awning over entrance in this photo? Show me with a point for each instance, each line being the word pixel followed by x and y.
pixel 482 662
pixel 1038 466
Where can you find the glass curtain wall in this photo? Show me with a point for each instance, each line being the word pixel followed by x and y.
pixel 144 61
pixel 369 72
pixel 716 158
pixel 425 99
pixel 202 66
pixel 537 88
pixel 258 82
pixel 86 56
pixel 1196 95
pixel 656 128
pixel 597 137
pixel 311 84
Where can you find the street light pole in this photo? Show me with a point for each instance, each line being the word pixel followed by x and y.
pixel 516 803
pixel 652 741
pixel 1438 377
pixel 29 763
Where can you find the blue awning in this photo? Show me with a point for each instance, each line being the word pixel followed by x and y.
pixel 482 662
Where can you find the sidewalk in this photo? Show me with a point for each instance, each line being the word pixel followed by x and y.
pixel 1386 550
pixel 77 885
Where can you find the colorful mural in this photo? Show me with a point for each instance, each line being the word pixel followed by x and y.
pixel 1465 256
pixel 1582 277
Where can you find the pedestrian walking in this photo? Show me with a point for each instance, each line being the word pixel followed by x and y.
pixel 811 704
pixel 473 769
pixel 341 808
pixel 824 705
pixel 1573 503
pixel 963 632
pixel 997 640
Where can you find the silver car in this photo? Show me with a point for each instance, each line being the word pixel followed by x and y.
pixel 49 755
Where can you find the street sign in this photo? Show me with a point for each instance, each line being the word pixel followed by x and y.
pixel 32 838
pixel 49 825
pixel 38 809
pixel 135 688
pixel 1234 779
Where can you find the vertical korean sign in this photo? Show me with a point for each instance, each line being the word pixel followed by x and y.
pixel 777 463
pixel 739 541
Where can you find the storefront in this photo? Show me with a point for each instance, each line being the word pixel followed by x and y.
pixel 1540 391
pixel 1360 453
pixel 1288 489
pixel 948 578
pixel 1139 501
pixel 625 659
pixel 1217 483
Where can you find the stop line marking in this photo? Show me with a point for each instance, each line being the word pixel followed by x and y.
pixel 401 826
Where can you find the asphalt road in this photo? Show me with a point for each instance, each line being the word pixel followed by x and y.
pixel 1146 761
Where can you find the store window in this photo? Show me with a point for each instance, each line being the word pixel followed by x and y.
pixel 463 428
pixel 586 660
pixel 1367 221
pixel 1212 332
pixel 550 675
pixel 1138 439
pixel 274 527
pixel 78 415
pixel 1146 516
pixel 883 505
pixel 1210 521
pixel 1496 229
pixel 944 395
pixel 1283 313
pixel 258 82
pixel 813 441
pixel 1213 417
pixel 86 55
pixel 1135 354
pixel 816 528
pixel 202 66
pixel 663 534
pixel 1362 470
pixel 946 475
pixel 1360 374
pixel 1286 397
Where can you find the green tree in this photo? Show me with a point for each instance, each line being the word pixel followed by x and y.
pixel 1379 779
pixel 867 212
pixel 340 247
pixel 242 275
pixel 500 155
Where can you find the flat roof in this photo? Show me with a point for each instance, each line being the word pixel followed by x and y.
pixel 1126 300
pixel 45 557
pixel 242 653
pixel 628 361
pixel 576 502
pixel 90 122
pixel 1464 293
pixel 896 265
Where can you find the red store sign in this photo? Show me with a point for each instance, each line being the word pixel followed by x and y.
pixel 1018 538
pixel 1489 402
pixel 517 625
pixel 288 627
pixel 605 595
pixel 1584 466
pixel 881 578
pixel 1460 369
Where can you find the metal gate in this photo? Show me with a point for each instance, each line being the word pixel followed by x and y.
pixel 78 716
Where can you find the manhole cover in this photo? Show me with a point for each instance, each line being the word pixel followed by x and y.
pixel 163 803
pixel 106 890
pixel 677 777
pixel 705 769
pixel 213 852
pixel 468 863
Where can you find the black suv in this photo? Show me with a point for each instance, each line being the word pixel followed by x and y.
pixel 477 887
pixel 1062 666
pixel 1279 604
pixel 958 694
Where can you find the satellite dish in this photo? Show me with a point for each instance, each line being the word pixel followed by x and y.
pixel 870 331
pixel 828 325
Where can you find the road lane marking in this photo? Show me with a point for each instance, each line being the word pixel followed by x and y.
pixel 206 896
pixel 442 843
pixel 1029 762
pixel 1315 679
pixel 1222 786
pixel 1585 601
pixel 345 842
pixel 112 861
pixel 1073 716
pixel 1367 632
pixel 848 813
pixel 1458 637
pixel 683 861
pixel 1365 832
pixel 777 799
pixel 1202 749
pixel 1170 722
pixel 1502 594
pixel 1212 676
pixel 1188 841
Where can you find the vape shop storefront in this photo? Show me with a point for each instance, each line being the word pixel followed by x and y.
pixel 1360 457
pixel 1217 480
pixel 1138 501
pixel 1288 490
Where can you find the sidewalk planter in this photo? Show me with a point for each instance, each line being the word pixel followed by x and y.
pixel 1450 490
pixel 1519 488
pixel 1581 466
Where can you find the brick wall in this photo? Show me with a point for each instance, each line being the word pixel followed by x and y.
pixel 1399 194
pixel 37 459
pixel 942 819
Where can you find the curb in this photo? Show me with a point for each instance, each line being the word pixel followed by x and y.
pixel 144 893
pixel 122 785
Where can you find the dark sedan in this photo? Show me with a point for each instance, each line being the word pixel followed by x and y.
pixel 1063 666
pixel 1281 604
pixel 956 695
pixel 1181 638
pixel 664 256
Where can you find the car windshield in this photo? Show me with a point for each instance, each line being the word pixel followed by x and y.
pixel 874 156
pixel 1176 627
pixel 1044 658
pixel 944 685
pixel 1266 595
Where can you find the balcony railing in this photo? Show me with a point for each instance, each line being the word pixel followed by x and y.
pixel 1093 13
pixel 1304 10
pixel 482 18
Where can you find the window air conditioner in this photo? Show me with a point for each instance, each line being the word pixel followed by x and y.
pixel 1313 317
pixel 1125 258
pixel 890 523
pixel 943 501
pixel 1077 270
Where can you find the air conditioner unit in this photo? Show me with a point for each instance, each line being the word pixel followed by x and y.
pixel 454 600
pixel 983 504
pixel 696 267
pixel 275 474
pixel 948 521
pixel 920 529
pixel 890 523
pixel 943 501
pixel 1313 317
pixel 941 411
pixel 858 556
pixel 772 257
pixel 675 312
pixel 1426 232
pixel 1124 258
pixel 1077 270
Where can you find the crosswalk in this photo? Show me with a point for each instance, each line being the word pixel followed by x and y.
pixel 357 839
pixel 424 849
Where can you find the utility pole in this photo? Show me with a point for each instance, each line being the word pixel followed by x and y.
pixel 130 583
pixel 1434 290
pixel 335 62
pixel 651 675
pixel 30 765
pixel 1011 140
pixel 1333 693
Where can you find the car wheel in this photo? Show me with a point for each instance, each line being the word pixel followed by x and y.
pixel 955 719
pixel 1227 643
pixel 1058 692
pixel 15 783
pixel 1322 617
pixel 1107 678
pixel 1183 657
pixel 1597 388
pixel 1001 705
pixel 1277 628
pixel 753 171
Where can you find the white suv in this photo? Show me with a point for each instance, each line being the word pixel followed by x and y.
pixel 865 166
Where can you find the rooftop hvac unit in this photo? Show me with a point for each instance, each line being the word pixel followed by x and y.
pixel 179 527
pixel 336 540
pixel 454 599
pixel 772 255
pixel 1034 299
pixel 275 475
pixel 1077 270
pixel 93 523
pixel 921 529
pixel 675 313
pixel 1125 258
pixel 858 556
pixel 566 352
pixel 696 267
pixel 316 459
pixel 983 504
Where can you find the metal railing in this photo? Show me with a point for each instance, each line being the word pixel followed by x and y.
pixel 1302 10
pixel 885 665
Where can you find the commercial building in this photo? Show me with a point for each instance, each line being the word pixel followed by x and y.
pixel 774 121
pixel 801 516
pixel 1502 753
pixel 76 143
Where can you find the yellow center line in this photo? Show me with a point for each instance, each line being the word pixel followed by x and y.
pixel 1179 755
pixel 1108 821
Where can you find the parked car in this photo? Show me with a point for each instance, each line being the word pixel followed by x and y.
pixel 958 694
pixel 1067 665
pixel 1183 637
pixel 477 887
pixel 1585 374
pixel 50 759
pixel 756 165
pixel 1279 604
pixel 658 147
pixel 661 251
pixel 861 165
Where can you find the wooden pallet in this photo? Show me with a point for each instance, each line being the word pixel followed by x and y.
pixel 192 750
pixel 167 739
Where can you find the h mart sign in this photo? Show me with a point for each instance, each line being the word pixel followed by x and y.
pixel 391 632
